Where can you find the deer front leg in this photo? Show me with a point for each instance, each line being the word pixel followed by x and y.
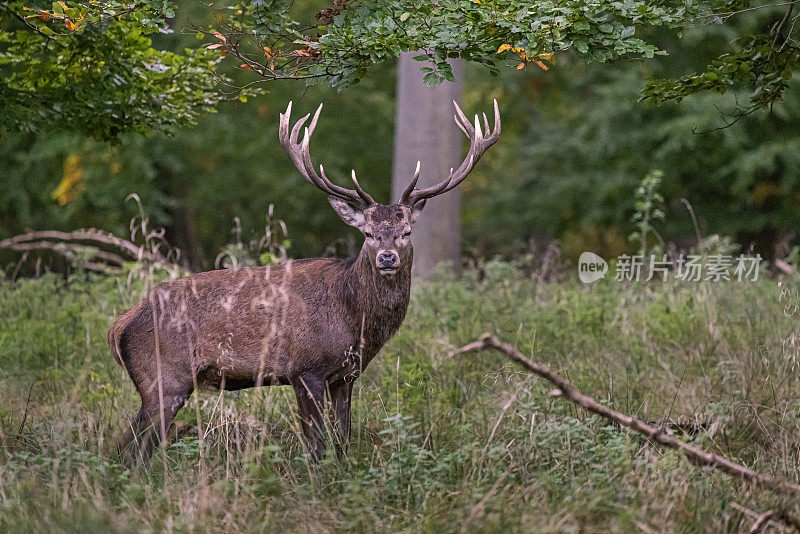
pixel 148 429
pixel 339 413
pixel 310 393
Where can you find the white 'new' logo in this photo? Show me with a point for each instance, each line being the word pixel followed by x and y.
pixel 591 267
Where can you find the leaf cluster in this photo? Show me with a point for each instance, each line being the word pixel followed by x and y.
pixel 264 35
pixel 762 60
pixel 92 67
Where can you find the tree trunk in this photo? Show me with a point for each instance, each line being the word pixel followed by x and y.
pixel 424 131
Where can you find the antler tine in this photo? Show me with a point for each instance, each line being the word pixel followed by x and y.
pixel 463 119
pixel 363 194
pixel 480 141
pixel 297 127
pixel 497 127
pixel 406 194
pixel 460 126
pixel 300 155
pixel 314 120
pixel 320 181
pixel 283 126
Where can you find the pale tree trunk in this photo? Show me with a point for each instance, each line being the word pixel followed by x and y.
pixel 425 131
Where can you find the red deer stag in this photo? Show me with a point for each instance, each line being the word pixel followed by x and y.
pixel 313 324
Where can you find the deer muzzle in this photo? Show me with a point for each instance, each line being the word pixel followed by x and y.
pixel 387 262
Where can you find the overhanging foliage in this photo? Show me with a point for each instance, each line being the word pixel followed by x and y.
pixel 92 67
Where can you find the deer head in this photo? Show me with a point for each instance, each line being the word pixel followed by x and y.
pixel 386 228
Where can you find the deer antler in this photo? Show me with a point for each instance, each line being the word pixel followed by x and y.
pixel 478 143
pixel 301 157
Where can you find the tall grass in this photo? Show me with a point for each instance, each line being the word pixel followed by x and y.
pixel 438 443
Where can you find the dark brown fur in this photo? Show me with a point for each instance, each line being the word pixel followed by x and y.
pixel 297 324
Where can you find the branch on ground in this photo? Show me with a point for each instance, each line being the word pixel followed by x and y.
pixel 71 245
pixel 694 454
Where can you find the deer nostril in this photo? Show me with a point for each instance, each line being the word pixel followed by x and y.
pixel 387 259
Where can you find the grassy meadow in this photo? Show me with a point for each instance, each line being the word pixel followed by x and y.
pixel 439 444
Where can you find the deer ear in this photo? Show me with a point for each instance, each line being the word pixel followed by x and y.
pixel 349 214
pixel 416 210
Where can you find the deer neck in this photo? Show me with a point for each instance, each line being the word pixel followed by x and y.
pixel 376 291
pixel 377 302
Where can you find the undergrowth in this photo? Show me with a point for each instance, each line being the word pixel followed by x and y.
pixel 438 443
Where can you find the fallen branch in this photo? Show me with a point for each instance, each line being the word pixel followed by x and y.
pixel 71 244
pixel 89 237
pixel 762 520
pixel 694 454
pixel 71 251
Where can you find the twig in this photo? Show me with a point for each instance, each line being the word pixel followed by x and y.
pixel 761 521
pixel 25 414
pixel 694 454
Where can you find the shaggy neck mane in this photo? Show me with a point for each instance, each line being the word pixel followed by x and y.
pixel 379 301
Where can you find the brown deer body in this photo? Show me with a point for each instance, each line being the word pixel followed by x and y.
pixel 312 324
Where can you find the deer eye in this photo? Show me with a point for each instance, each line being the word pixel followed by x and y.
pixel 407 234
pixel 367 234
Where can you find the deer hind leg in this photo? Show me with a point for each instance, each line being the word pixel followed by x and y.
pixel 339 413
pixel 310 393
pixel 150 426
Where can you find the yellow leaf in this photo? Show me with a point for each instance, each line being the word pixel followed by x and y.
pixel 71 185
pixel 70 25
pixel 548 56
pixel 216 45
pixel 503 48
pixel 220 37
pixel 521 66
pixel 541 65
pixel 62 4
pixel 245 66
